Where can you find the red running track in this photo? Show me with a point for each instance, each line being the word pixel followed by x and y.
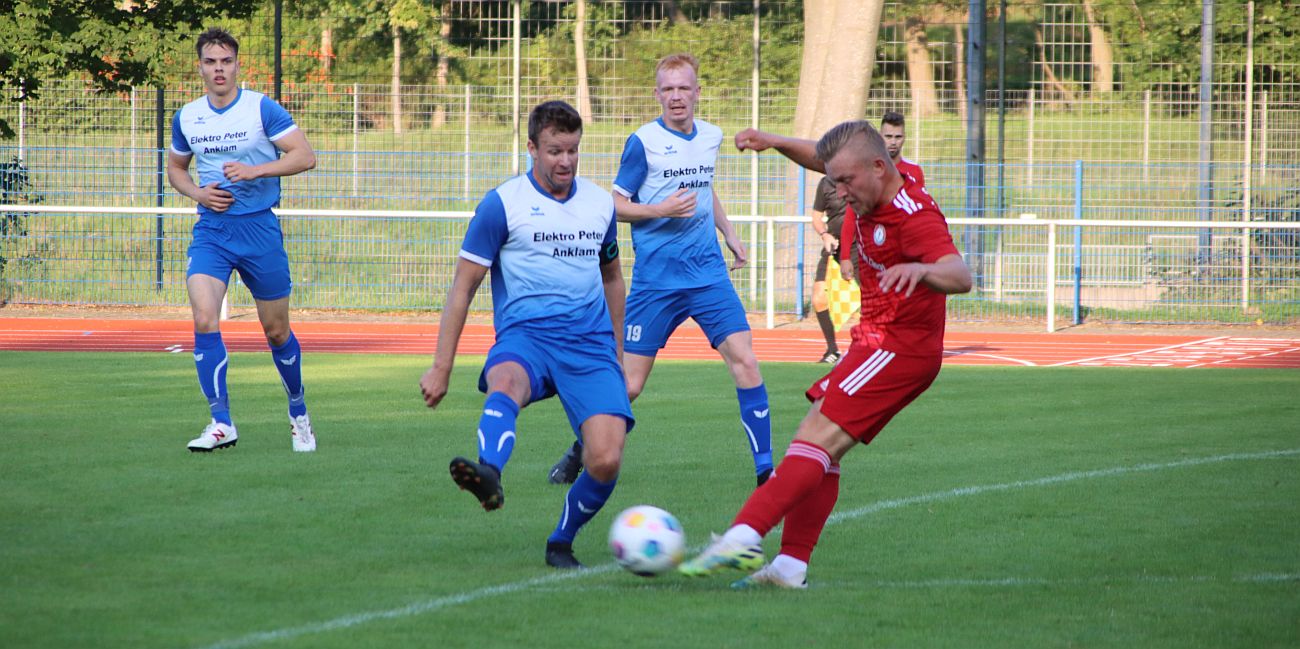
pixel 793 345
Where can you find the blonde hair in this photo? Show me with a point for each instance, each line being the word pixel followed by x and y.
pixel 842 134
pixel 674 61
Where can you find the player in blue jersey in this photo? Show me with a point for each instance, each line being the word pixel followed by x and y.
pixel 550 240
pixel 237 137
pixel 665 189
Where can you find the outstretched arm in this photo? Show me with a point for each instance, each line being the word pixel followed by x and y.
pixel 801 152
pixel 433 385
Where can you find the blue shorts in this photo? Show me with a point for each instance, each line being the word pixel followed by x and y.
pixel 251 244
pixel 653 316
pixel 582 370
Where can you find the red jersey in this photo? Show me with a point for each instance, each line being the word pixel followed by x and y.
pixel 909 229
pixel 909 168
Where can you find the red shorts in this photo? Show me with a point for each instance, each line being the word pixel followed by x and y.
pixel 869 386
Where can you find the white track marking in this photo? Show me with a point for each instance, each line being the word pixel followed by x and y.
pixel 439 603
pixel 1264 578
pixel 993 356
pixel 1144 351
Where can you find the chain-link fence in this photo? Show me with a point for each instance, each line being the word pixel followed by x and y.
pixel 442 132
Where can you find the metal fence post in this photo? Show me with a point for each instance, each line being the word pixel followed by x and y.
pixel 356 129
pixel 159 121
pixel 1051 277
pixel 1078 239
pixel 800 243
pixel 466 145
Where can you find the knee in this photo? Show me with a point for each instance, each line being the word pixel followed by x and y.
pixel 745 369
pixel 634 389
pixel 603 464
pixel 277 333
pixel 819 302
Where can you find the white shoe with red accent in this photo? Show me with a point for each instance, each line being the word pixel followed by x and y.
pixel 216 435
pixel 304 440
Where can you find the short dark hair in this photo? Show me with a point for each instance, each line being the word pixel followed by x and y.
pixel 216 36
pixel 553 114
pixel 893 119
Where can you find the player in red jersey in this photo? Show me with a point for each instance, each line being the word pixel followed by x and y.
pixel 907 265
pixel 893 131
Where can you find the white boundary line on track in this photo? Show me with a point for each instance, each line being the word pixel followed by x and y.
pixel 1141 351
pixel 426 606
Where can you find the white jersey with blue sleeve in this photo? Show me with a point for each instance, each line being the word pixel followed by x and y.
pixel 243 132
pixel 545 255
pixel 673 253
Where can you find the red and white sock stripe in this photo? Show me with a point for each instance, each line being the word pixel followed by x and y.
pixel 811 452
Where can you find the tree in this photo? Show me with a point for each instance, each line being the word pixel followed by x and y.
pixel 834 80
pixel 116 45
pixel 1103 57
pixel 580 59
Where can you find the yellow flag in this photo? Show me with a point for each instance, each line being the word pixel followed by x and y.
pixel 844 296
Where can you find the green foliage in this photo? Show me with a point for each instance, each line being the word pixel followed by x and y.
pixel 115 47
pixel 1163 40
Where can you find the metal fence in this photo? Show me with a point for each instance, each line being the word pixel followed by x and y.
pixel 1061 147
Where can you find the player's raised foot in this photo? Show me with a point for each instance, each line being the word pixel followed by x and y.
pixel 216 435
pixel 830 357
pixel 560 555
pixel 769 576
pixel 567 469
pixel 482 480
pixel 721 554
pixel 304 440
pixel 763 476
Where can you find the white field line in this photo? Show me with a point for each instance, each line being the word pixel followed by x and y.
pixel 1246 358
pixel 439 603
pixel 1143 351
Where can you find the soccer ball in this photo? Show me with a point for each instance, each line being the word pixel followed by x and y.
pixel 647 540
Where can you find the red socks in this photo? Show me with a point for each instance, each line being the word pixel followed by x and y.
pixel 804 523
pixel 795 492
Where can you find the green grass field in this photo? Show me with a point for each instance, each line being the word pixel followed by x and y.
pixel 1008 507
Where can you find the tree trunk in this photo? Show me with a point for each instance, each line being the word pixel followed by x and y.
pixel 834 81
pixel 443 72
pixel 1103 57
pixel 961 71
pixel 920 74
pixel 580 60
pixel 326 49
pixel 674 13
pixel 1058 91
pixel 397 81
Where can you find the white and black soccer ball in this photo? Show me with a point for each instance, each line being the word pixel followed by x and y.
pixel 647 540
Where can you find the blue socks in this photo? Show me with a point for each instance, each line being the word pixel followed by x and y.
pixel 754 417
pixel 210 361
pixel 496 430
pixel 288 360
pixel 585 498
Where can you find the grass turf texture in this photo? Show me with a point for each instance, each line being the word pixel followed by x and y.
pixel 113 535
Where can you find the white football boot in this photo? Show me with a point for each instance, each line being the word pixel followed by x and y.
pixel 216 435
pixel 304 440
pixel 768 575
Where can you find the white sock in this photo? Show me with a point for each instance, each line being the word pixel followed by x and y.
pixel 743 534
pixel 790 568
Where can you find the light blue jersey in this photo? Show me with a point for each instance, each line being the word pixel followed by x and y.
pixel 545 255
pixel 243 132
pixel 673 253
